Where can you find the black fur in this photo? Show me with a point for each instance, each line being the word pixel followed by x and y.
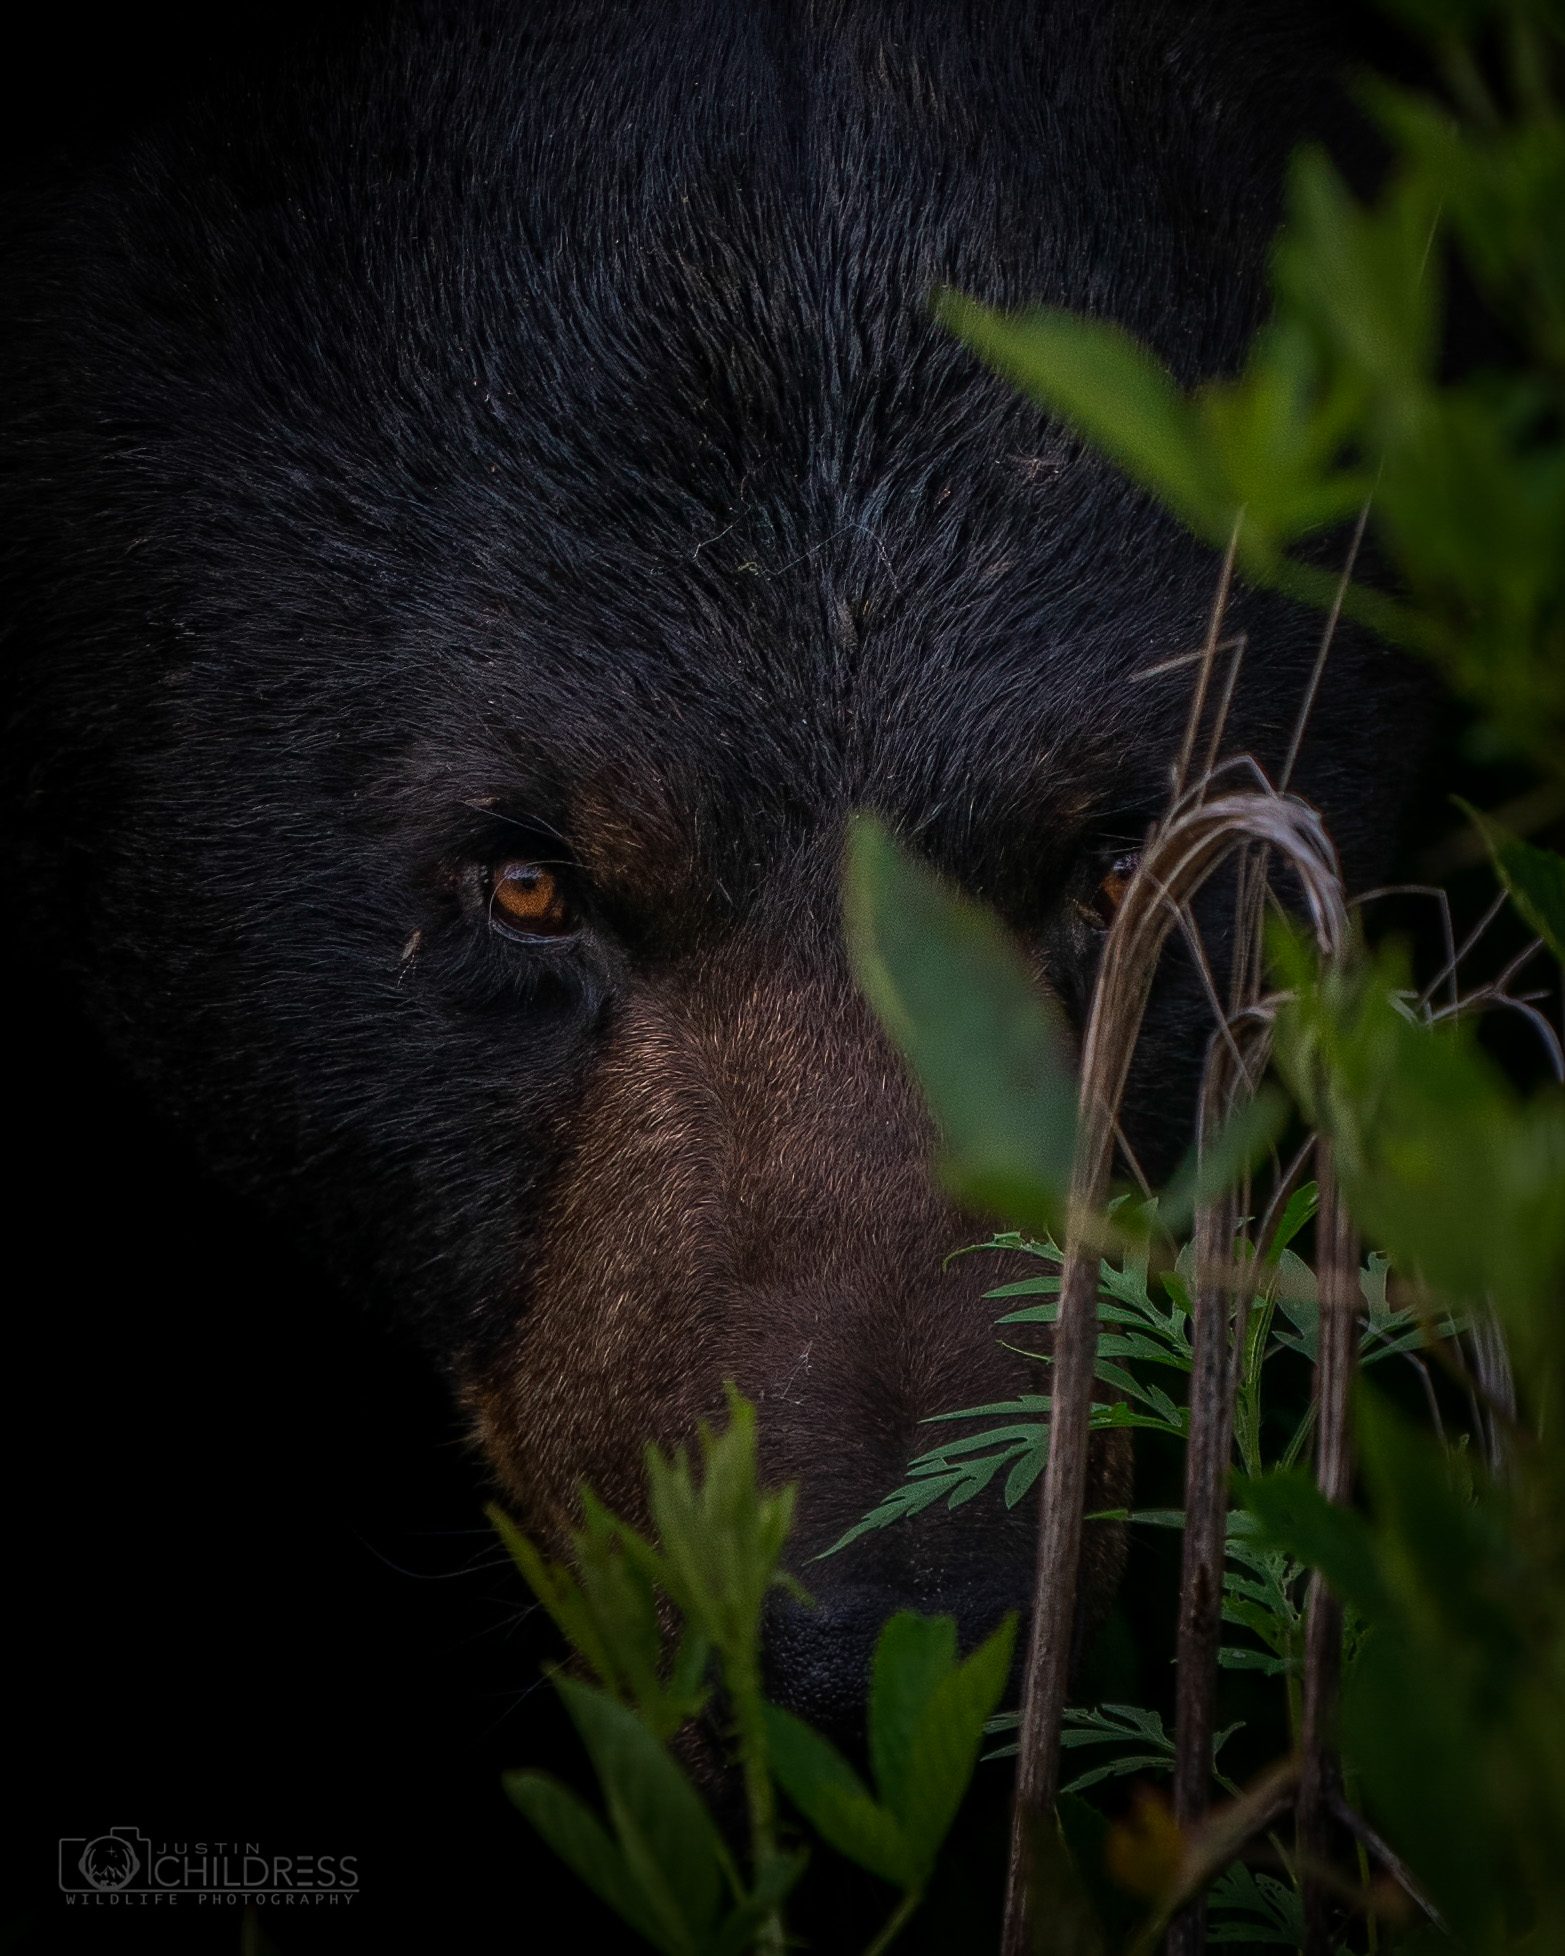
pixel 479 430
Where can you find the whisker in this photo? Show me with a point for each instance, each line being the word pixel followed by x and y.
pixel 1180 660
pixel 1220 722
pixel 1307 704
pixel 1208 657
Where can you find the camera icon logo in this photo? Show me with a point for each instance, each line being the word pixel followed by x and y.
pixel 108 1863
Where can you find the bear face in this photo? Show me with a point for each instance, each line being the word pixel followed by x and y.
pixel 487 499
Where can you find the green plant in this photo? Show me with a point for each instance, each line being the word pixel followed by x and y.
pixel 1457 1570
pixel 1464 1182
pixel 1140 1339
pixel 927 1715
pixel 1346 404
pixel 662 1862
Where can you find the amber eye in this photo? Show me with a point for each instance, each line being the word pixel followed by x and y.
pixel 1110 893
pixel 527 900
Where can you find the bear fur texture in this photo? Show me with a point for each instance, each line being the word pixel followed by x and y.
pixel 483 434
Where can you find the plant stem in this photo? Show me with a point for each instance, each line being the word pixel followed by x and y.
pixel 744 1688
pixel 898 1920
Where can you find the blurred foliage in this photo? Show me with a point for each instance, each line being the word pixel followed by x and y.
pixel 664 1630
pixel 1347 399
pixel 997 1067
pixel 1453 1718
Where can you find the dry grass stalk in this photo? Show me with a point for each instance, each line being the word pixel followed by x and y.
pixel 1221 1303
pixel 1251 827
pixel 1337 1263
pixel 1189 846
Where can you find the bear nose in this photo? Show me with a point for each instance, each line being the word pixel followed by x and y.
pixel 816 1657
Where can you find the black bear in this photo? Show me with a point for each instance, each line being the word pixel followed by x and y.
pixel 485 496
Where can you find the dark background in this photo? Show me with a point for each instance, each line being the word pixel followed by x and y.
pixel 251 1592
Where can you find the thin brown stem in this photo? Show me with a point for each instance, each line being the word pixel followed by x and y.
pixel 1219 1311
pixel 1319 1786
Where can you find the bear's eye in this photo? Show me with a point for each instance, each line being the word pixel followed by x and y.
pixel 1110 893
pixel 528 900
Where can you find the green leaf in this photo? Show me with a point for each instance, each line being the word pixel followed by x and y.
pixel 1440 1551
pixel 1113 1724
pixel 1256 1910
pixel 1117 1768
pixel 912 1655
pixel 1297 1518
pixel 577 1835
pixel 903 1502
pixel 1535 878
pixel 1500 190
pixel 1233 1658
pixel 1108 388
pixel 1415 1743
pixel 1082 1899
pixel 739 1933
pixel 835 1801
pixel 1444 1165
pixel 1024 1475
pixel 606 1609
pixel 1276 433
pixel 992 1436
pixel 1151 1745
pixel 946 1745
pixel 720 1536
pixel 1301 1207
pixel 668 1839
pixel 1359 277
pixel 987 1044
